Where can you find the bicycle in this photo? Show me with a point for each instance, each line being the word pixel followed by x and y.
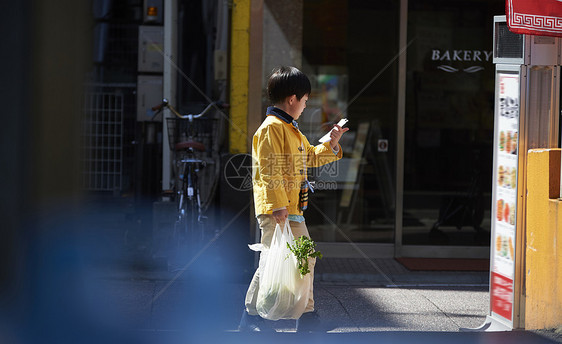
pixel 190 137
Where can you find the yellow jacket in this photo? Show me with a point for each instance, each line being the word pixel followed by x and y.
pixel 279 164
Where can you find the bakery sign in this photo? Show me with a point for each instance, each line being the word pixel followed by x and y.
pixel 467 61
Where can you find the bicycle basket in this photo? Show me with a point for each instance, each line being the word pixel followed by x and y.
pixel 201 130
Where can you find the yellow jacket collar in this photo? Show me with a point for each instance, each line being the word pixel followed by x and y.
pixel 282 115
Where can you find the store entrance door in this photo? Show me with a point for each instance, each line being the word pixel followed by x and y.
pixel 418 88
pixel 449 122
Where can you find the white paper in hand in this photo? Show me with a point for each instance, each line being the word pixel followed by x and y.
pixel 327 137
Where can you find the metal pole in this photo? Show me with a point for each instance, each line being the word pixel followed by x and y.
pixel 400 135
pixel 169 82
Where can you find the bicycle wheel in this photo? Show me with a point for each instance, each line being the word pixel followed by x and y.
pixel 181 225
pixel 183 204
pixel 192 207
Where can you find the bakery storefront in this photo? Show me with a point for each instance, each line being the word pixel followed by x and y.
pixel 416 81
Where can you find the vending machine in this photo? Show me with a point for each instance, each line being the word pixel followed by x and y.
pixel 527 90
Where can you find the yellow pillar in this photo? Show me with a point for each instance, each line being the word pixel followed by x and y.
pixel 543 254
pixel 239 71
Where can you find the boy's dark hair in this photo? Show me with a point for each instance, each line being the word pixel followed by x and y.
pixel 286 81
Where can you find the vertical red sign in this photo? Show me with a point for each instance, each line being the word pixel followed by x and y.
pixel 502 295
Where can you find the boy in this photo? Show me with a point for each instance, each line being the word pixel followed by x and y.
pixel 281 155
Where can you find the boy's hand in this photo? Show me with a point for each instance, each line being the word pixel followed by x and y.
pixel 281 215
pixel 336 134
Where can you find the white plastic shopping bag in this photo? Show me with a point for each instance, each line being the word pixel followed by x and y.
pixel 283 292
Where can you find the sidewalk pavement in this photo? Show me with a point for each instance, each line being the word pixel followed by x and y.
pixel 389 305
pixel 78 303
pixel 367 303
pixel 69 295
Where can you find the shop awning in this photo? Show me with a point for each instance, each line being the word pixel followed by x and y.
pixel 535 17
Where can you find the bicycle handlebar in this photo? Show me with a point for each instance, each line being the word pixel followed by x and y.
pixel 165 103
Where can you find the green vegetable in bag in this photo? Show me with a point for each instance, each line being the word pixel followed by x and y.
pixel 303 249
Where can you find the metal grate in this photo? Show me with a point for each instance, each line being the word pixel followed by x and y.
pixel 508 44
pixel 102 141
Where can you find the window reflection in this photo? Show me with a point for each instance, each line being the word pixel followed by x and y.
pixel 449 123
pixel 346 47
